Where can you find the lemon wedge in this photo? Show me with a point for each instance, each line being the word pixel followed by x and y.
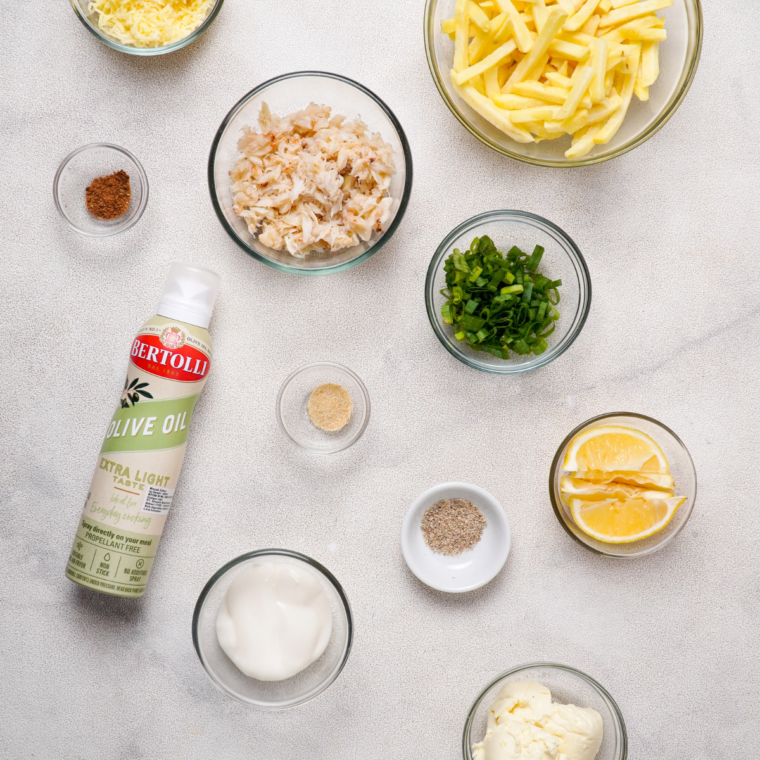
pixel 652 480
pixel 596 491
pixel 614 447
pixel 620 521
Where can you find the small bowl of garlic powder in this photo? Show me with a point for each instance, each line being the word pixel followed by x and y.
pixel 323 408
pixel 310 173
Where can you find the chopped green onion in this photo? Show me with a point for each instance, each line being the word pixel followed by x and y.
pixel 519 317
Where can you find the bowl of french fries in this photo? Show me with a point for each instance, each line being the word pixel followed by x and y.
pixel 563 82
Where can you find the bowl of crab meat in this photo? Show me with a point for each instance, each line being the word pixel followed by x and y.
pixel 310 173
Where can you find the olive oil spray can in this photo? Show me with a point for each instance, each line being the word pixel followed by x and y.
pixel 144 447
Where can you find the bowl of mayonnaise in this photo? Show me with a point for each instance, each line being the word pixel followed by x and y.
pixel 272 628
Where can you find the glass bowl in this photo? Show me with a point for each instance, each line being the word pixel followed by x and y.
pixel 90 20
pixel 293 416
pixel 568 686
pixel 284 95
pixel 271 695
pixel 561 260
pixel 679 57
pixel 79 169
pixel 681 468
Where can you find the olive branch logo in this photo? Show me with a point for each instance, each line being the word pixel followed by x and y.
pixel 132 392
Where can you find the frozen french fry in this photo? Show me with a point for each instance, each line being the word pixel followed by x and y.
pixel 569 50
pixel 517 102
pixel 523 37
pixel 558 80
pixel 640 90
pixel 542 113
pixel 449 26
pixel 478 16
pixel 576 94
pixel 638 34
pixel 599 65
pixel 461 41
pixel 539 13
pixel 486 108
pixel 578 19
pixel 630 12
pixel 612 125
pixel 494 59
pixel 604 110
pixel 583 144
pixel 555 95
pixel 620 3
pixel 491 81
pixel 553 24
pixel 591 25
pixel 650 63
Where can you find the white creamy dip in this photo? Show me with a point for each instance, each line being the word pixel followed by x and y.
pixel 524 724
pixel 274 621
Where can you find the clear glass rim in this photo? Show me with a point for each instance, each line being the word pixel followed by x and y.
pixel 129 49
pixel 584 304
pixel 107 231
pixel 387 235
pixel 276 553
pixel 365 395
pixel 621 732
pixel 557 509
pixel 671 107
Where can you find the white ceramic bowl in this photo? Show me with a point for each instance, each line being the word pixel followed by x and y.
pixel 466 571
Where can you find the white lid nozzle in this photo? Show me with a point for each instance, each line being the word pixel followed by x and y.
pixel 189 294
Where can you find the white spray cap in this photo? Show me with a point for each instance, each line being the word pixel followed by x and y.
pixel 189 294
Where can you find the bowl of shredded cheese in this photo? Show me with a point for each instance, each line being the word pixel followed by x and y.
pixel 310 173
pixel 147 27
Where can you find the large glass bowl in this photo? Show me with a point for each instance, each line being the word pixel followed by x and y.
pixel 561 260
pixel 679 56
pixel 90 21
pixel 681 468
pixel 568 686
pixel 271 695
pixel 284 95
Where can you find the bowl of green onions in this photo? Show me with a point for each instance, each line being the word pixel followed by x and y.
pixel 507 292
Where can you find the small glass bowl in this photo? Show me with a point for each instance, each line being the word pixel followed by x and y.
pixel 271 695
pixel 293 416
pixel 568 686
pixel 681 468
pixel 284 95
pixel 90 21
pixel 79 169
pixel 561 260
pixel 679 57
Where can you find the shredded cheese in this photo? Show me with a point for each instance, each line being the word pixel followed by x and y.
pixel 150 23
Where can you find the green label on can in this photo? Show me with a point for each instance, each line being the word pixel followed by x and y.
pixel 110 559
pixel 150 426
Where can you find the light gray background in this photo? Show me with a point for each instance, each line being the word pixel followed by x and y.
pixel 670 236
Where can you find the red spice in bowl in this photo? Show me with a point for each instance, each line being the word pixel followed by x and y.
pixel 108 197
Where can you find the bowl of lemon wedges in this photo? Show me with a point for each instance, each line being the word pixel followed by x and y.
pixel 623 485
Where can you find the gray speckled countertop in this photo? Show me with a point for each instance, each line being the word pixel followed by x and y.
pixel 670 236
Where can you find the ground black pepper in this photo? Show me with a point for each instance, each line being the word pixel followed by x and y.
pixel 452 526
